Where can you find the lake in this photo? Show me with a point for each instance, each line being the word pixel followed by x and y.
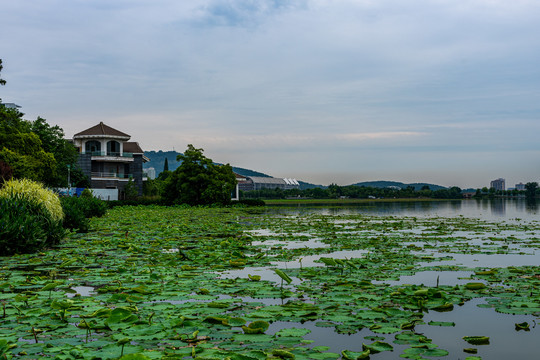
pixel 507 238
pixel 495 209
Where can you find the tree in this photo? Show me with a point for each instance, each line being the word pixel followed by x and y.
pixel 166 165
pixel 198 181
pixel 6 173
pixel 530 190
pixel 130 190
pixel 2 81
pixel 36 150
pixel 22 149
pixel 65 154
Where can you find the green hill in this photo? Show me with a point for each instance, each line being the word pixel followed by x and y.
pixel 157 161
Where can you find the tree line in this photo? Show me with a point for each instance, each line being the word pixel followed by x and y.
pixel 355 192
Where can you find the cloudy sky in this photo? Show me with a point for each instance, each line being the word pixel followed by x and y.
pixel 325 91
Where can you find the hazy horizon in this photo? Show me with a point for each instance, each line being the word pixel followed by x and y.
pixel 318 90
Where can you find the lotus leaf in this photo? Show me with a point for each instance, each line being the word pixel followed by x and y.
pixel 477 340
pixel 256 327
pixel 378 346
pixel 284 354
pixel 351 355
pixel 137 356
pixel 293 332
pixel 442 323
pixel 283 276
pixel 120 317
pixel 475 286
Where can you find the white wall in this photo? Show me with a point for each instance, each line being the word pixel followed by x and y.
pixel 105 194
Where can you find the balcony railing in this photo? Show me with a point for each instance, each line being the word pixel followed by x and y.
pixel 111 175
pixel 110 153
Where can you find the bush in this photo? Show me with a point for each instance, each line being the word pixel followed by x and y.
pixel 93 207
pixel 34 192
pixel 87 193
pixel 79 210
pixel 74 217
pixel 26 226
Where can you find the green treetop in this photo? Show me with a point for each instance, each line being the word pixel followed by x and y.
pixel 198 181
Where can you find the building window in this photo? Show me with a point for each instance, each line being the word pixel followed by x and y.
pixel 93 147
pixel 113 148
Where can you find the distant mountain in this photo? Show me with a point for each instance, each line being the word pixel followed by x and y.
pixel 385 184
pixel 157 161
pixel 247 172
pixel 305 185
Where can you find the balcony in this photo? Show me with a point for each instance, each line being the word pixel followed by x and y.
pixel 110 175
pixel 110 153
pixel 112 156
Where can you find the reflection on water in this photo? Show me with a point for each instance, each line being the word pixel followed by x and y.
pixel 486 209
pixel 509 236
pixel 500 328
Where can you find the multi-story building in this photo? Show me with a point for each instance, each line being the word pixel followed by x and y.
pixel 109 159
pixel 520 186
pixel 498 184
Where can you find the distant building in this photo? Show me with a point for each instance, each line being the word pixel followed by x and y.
pixel 10 105
pixel 259 182
pixel 150 173
pixel 520 186
pixel 498 184
pixel 235 196
pixel 109 159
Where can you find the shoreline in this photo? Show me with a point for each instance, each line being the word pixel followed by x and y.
pixel 280 202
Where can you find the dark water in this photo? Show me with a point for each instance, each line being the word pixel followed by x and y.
pixel 495 209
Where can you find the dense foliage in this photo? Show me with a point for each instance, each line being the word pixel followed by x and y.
pixel 198 181
pixel 531 190
pixel 355 192
pixel 35 192
pixel 30 217
pixel 26 226
pixel 78 211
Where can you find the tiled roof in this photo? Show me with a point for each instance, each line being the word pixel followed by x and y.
pixel 101 130
pixel 133 147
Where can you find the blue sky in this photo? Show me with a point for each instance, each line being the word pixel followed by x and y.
pixel 324 91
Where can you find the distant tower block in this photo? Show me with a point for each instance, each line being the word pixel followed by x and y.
pixel 498 184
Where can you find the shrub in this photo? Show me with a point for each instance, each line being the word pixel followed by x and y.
pixel 33 191
pixel 26 226
pixel 78 210
pixel 87 193
pixel 74 216
pixel 93 207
